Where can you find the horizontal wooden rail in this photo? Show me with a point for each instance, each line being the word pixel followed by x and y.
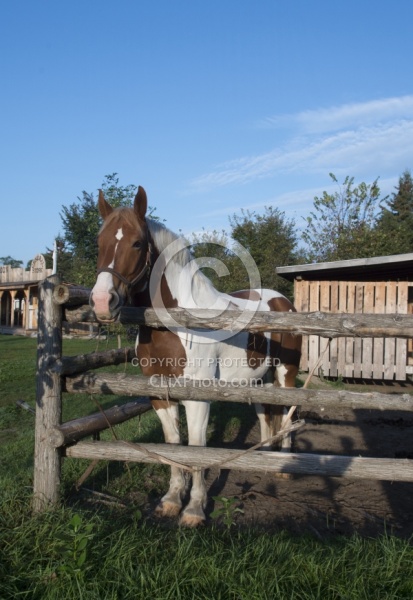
pixel 186 389
pixel 74 430
pixel 69 365
pixel 315 323
pixel 386 469
pixel 71 295
pixel 328 325
pixel 79 314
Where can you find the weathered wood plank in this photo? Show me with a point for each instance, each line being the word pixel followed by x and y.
pixel 385 469
pixel 71 295
pixel 359 302
pixel 349 360
pixel 317 323
pixel 334 342
pixel 183 389
pixel 48 398
pixel 324 342
pixel 74 430
pixel 313 323
pixel 69 365
pixel 390 342
pixel 378 348
pixel 367 348
pixel 409 311
pixel 342 302
pixel 79 314
pixel 314 340
pixel 401 345
pixel 302 306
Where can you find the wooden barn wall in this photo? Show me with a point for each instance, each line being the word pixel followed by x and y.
pixel 369 358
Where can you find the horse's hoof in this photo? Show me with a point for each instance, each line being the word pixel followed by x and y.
pixel 167 509
pixel 191 520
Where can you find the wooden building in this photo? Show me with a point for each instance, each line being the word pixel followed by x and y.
pixel 368 285
pixel 19 296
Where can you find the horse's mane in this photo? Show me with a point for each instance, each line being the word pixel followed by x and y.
pixel 163 237
pixel 181 256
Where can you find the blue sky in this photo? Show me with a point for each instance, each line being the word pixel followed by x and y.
pixel 211 106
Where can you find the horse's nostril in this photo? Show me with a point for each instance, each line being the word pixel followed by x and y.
pixel 114 300
pixel 91 301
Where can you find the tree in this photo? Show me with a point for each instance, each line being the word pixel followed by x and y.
pixel 271 239
pixel 343 225
pixel 396 219
pixel 219 263
pixel 11 262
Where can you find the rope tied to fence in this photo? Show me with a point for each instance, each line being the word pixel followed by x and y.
pixel 159 458
pixel 282 433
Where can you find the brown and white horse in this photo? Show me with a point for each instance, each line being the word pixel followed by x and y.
pixel 143 263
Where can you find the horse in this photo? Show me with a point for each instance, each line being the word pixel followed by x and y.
pixel 142 263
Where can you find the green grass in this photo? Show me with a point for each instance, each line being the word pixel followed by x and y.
pixel 17 381
pixel 114 553
pixel 128 558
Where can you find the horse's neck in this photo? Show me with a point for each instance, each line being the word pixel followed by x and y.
pixel 176 279
pixel 190 288
pixel 178 289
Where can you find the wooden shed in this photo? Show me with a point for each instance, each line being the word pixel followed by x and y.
pixel 381 284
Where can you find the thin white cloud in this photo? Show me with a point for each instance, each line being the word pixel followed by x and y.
pixel 287 202
pixel 297 202
pixel 379 146
pixel 346 116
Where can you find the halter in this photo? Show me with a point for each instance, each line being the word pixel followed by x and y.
pixel 129 284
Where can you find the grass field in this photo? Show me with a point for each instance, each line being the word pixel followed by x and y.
pixel 112 552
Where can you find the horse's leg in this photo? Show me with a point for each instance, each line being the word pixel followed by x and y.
pixel 286 375
pixel 197 415
pixel 273 418
pixel 168 413
pixel 265 415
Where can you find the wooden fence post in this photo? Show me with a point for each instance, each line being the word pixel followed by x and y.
pixel 48 398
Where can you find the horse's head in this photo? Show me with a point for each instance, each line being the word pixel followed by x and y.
pixel 124 256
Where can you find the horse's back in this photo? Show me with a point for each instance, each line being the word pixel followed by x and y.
pixel 249 356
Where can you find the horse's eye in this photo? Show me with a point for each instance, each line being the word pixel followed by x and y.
pixel 137 245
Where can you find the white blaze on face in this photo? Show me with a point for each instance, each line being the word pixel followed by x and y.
pixel 104 284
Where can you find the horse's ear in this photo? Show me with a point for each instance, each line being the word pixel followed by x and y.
pixel 141 203
pixel 104 207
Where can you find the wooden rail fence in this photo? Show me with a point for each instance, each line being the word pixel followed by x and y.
pixel 56 373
